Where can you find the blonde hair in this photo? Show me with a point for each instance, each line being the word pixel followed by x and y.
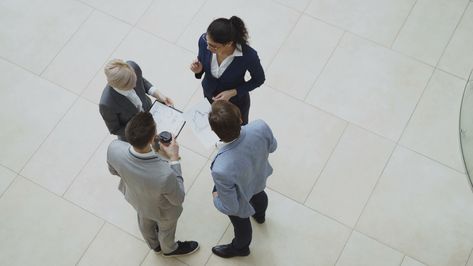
pixel 120 75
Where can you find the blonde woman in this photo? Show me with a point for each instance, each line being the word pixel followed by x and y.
pixel 125 95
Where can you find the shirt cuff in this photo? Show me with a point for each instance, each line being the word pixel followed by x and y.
pixel 174 162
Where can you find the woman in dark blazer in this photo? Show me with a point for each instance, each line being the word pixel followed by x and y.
pixel 224 57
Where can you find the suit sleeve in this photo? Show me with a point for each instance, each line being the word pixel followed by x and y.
pixel 111 121
pixel 202 46
pixel 273 144
pixel 174 190
pixel 227 199
pixel 257 75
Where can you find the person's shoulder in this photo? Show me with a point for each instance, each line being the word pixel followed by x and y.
pixel 258 124
pixel 117 146
pixel 202 42
pixel 249 51
pixel 106 96
pixel 135 66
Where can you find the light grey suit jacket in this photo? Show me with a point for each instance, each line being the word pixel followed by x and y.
pixel 240 169
pixel 117 110
pixel 153 187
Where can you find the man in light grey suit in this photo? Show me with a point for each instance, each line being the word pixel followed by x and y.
pixel 125 95
pixel 151 184
pixel 240 170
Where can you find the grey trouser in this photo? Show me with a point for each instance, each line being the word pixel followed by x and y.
pixel 158 233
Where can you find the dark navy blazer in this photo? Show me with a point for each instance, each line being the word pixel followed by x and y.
pixel 234 76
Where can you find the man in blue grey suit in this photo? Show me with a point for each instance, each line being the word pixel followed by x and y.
pixel 240 170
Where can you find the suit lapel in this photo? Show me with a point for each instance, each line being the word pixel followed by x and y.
pixel 123 101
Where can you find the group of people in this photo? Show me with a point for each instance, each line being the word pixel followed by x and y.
pixel 150 174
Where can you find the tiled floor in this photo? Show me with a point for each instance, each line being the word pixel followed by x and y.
pixel 363 96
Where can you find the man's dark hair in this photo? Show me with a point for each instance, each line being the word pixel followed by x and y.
pixel 140 129
pixel 225 120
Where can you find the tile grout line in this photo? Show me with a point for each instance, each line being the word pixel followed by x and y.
pixel 9 185
pixel 375 185
pixel 326 163
pixel 403 258
pixel 403 25
pixel 103 11
pixel 452 34
pixel 66 43
pixel 416 105
pixel 143 260
pixel 190 23
pixel 92 241
pixel 470 257
pixel 285 40
pixel 220 239
pixel 314 83
pixel 344 247
pixel 373 42
pixel 83 167
pixel 431 159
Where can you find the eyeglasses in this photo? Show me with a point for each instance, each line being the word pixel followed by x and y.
pixel 210 45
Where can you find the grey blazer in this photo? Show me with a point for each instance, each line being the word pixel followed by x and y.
pixel 240 169
pixel 153 187
pixel 117 110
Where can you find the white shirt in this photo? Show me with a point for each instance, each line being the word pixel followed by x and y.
pixel 134 98
pixel 217 70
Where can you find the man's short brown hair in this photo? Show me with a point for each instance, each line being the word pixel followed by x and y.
pixel 225 120
pixel 140 130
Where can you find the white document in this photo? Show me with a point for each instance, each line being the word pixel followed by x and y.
pixel 167 118
pixel 197 118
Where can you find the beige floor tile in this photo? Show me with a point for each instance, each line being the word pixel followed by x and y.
pixel 422 209
pixel 6 177
pixel 377 20
pixel 154 259
pixel 34 31
pixel 164 19
pixel 408 261
pixel 31 107
pixel 96 190
pixel 299 5
pixel 67 149
pixel 306 50
pixel 458 56
pixel 86 52
pixel 371 86
pixel 38 228
pixel 129 11
pixel 112 246
pixel 268 24
pixel 306 138
pixel 470 262
pixel 417 38
pixel 200 221
pixel 347 181
pixel 436 118
pixel 291 235
pixel 364 251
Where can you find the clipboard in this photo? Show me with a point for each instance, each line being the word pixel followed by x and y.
pixel 167 118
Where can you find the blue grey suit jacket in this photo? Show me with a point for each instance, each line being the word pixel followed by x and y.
pixel 240 169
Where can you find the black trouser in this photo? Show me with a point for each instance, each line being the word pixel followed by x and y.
pixel 243 103
pixel 242 226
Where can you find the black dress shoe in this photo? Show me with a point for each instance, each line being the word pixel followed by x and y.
pixel 183 248
pixel 228 251
pixel 259 220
